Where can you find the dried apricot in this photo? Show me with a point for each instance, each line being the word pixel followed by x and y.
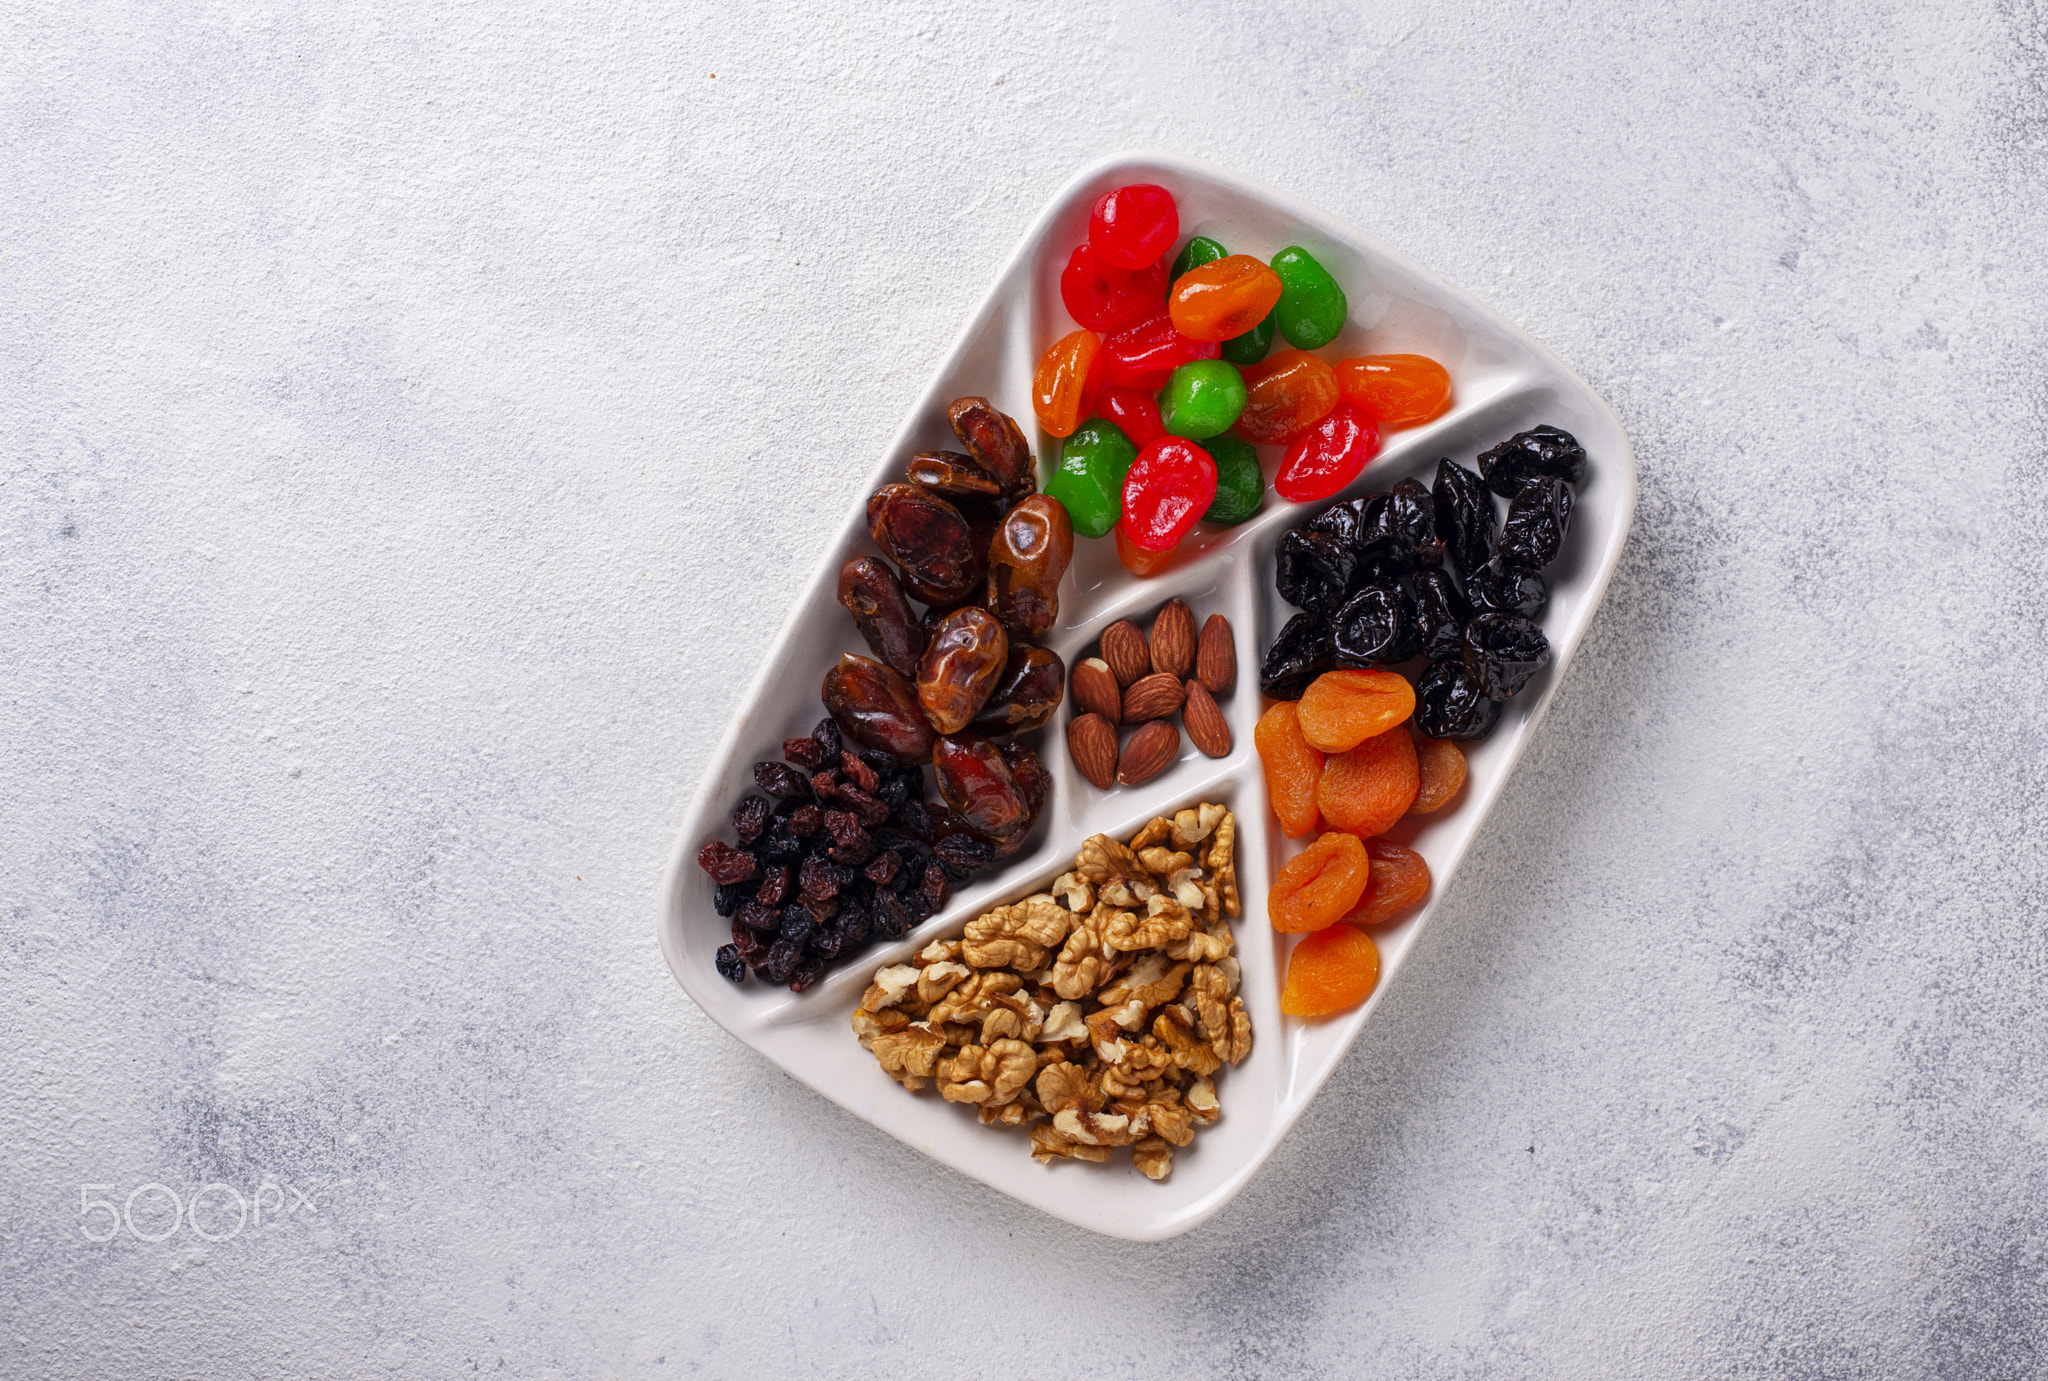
pixel 1443 774
pixel 1292 769
pixel 1366 790
pixel 1329 971
pixel 1400 879
pixel 1342 709
pixel 1319 884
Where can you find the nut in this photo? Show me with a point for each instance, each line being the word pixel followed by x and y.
pixel 1216 657
pixel 1151 751
pixel 1205 722
pixel 1153 697
pixel 1173 639
pixel 1096 690
pixel 1092 741
pixel 1123 648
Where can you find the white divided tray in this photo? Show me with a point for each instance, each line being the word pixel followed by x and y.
pixel 1503 383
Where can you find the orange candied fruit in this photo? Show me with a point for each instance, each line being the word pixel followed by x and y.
pixel 1319 884
pixel 1064 385
pixel 1284 396
pixel 1292 769
pixel 1342 709
pixel 1137 560
pixel 1364 791
pixel 1443 774
pixel 1400 879
pixel 1330 971
pixel 1224 298
pixel 1398 390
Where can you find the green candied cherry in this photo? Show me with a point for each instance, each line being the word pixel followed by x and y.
pixel 1251 347
pixel 1240 484
pixel 1090 477
pixel 1312 307
pixel 1202 399
pixel 1195 253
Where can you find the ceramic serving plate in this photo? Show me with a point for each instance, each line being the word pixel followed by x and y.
pixel 1503 383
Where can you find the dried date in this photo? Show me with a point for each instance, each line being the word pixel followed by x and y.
pixel 930 542
pixel 966 655
pixel 881 611
pixel 1032 684
pixel 980 787
pixel 995 442
pixel 878 709
pixel 1026 558
pixel 952 476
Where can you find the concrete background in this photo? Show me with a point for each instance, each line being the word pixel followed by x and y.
pixel 416 421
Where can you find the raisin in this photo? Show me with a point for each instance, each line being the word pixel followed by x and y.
pixel 822 909
pixel 807 972
pixel 1313 570
pixel 1498 588
pixel 1319 884
pixel 727 898
pixel 751 945
pixel 1544 450
pixel 871 811
pixel 730 968
pixel 857 772
pixel 851 843
pixel 1502 652
pixel 781 958
pixel 725 863
pixel 1301 653
pixel 780 846
pixel 895 790
pixel 1538 517
pixel 805 752
pixel 797 923
pixel 1373 626
pixel 892 916
pixel 911 873
pixel 750 817
pixel 881 868
pixel 1440 613
pixel 760 915
pixel 933 891
pixel 818 878
pixel 1449 704
pixel 963 855
pixel 916 819
pixel 825 785
pixel 1464 516
pixel 805 820
pixel 781 781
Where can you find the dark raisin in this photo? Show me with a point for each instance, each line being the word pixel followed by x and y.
pixel 730 966
pixel 1449 705
pixel 797 923
pixel 911 873
pixel 805 752
pixel 881 868
pixel 894 791
pixel 750 817
pixel 858 772
pixel 1498 588
pixel 1301 653
pixel 807 972
pixel 1343 521
pixel 1541 450
pixel 725 863
pixel 893 918
pixel 728 898
pixel 933 889
pixel 822 879
pixel 851 843
pixel 1375 625
pixel 822 909
pixel 1440 613
pixel 805 820
pixel 1538 517
pixel 780 846
pixel 1502 652
pixel 760 915
pixel 1464 516
pixel 781 781
pixel 781 959
pixel 963 855
pixel 826 732
pixel 751 945
pixel 871 811
pixel 1313 570
pixel 916 819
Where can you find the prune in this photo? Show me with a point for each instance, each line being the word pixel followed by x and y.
pixel 797 923
pixel 1440 613
pixel 804 752
pixel 859 773
pixel 782 958
pixel 1499 588
pixel 760 915
pixel 878 709
pixel 1502 652
pixel 1344 521
pixel 750 945
pixel 782 781
pixel 966 655
pixel 827 734
pixel 933 890
pixel 964 855
pixel 881 868
pixel 977 784
pixel 807 972
pixel 995 442
pixel 930 542
pixel 727 961
pixel 1375 625
pixel 725 863
pixel 775 883
pixel 1464 516
pixel 893 918
pixel 727 898
pixel 1032 684
pixel 1448 704
pixel 804 821
pixel 750 817
pixel 1313 570
pixel 1026 558
pixel 1400 532
pixel 952 476
pixel 1298 655
pixel 1538 517
pixel 881 611
pixel 1544 450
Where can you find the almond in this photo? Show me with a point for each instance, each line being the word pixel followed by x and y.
pixel 1123 647
pixel 1151 751
pixel 1152 697
pixel 1206 729
pixel 1216 656
pixel 1091 740
pixel 1095 690
pixel 1173 639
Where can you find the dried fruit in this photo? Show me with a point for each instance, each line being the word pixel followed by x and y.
pixel 1544 450
pixel 995 442
pixel 1464 516
pixel 979 785
pixel 878 709
pixel 804 752
pixel 1499 588
pixel 1151 751
pixel 1216 656
pixel 1502 652
pixel 952 476
pixel 1318 885
pixel 1442 764
pixel 1342 709
pixel 1153 697
pixel 1399 533
pixel 1096 690
pixel 1439 610
pixel 1292 769
pixel 1330 971
pixel 726 864
pixel 1538 517
pixel 874 596
pixel 782 781
pixel 1125 651
pixel 1314 569
pixel 1026 559
pixel 1400 880
pixel 1365 790
pixel 1207 729
pixel 727 962
pixel 930 542
pixel 1172 642
pixel 963 855
pixel 967 653
pixel 1032 684
pixel 1091 741
pixel 1375 625
pixel 1298 655
pixel 750 817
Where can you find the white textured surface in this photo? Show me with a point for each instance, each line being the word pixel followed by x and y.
pixel 397 407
